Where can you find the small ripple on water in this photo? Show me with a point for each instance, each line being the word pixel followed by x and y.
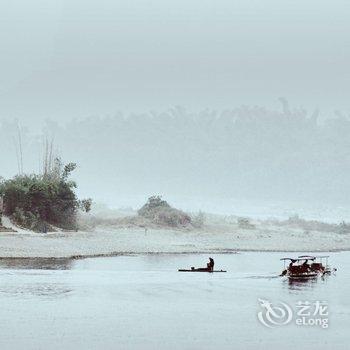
pixel 34 290
pixel 264 277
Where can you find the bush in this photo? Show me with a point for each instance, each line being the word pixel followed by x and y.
pixel 244 223
pixel 344 227
pixel 199 219
pixel 38 201
pixel 161 213
pixel 29 220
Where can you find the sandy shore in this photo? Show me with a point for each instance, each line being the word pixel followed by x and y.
pixel 116 240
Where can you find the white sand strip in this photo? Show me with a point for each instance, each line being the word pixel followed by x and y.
pixel 113 241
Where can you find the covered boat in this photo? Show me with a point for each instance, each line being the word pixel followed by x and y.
pixel 305 267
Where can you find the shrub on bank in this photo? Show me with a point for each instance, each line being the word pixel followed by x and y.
pixel 161 213
pixel 38 201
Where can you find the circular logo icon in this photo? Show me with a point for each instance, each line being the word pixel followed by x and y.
pixel 274 315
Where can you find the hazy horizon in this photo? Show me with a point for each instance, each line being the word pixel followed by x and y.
pixel 213 160
pixel 104 79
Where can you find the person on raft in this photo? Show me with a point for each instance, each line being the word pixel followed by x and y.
pixel 210 264
pixel 209 268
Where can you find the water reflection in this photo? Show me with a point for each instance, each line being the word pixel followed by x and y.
pixel 308 283
pixel 300 284
pixel 36 263
pixel 32 280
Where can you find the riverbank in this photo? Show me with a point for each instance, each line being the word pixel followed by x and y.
pixel 110 240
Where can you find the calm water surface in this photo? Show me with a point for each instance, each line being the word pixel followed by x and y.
pixel 142 302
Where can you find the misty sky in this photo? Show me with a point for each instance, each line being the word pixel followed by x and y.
pixel 63 59
pixel 68 67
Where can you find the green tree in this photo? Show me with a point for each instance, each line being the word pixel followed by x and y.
pixel 35 200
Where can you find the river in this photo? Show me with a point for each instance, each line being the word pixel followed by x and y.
pixel 142 302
